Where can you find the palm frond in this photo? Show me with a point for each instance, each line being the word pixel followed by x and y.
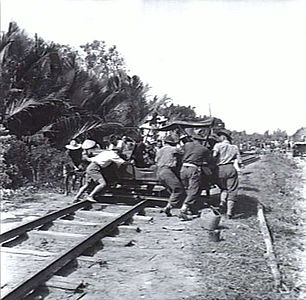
pixel 161 102
pixel 46 129
pixel 155 105
pixel 109 103
pixel 4 45
pixel 23 105
pixel 6 39
pixel 103 128
pixel 78 126
pixel 88 126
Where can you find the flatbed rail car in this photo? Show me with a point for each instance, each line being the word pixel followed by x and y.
pixel 299 149
pixel 145 179
pixel 129 178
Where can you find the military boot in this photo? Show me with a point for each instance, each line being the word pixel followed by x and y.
pixel 223 199
pixel 167 210
pixel 184 213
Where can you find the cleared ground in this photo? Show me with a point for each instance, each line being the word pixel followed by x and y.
pixel 169 259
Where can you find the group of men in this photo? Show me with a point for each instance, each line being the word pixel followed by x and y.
pixel 90 154
pixel 183 171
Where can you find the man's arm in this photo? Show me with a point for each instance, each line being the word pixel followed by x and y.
pixel 86 156
pixel 215 151
pixel 239 159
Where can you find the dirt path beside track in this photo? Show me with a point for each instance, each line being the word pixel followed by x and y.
pixel 301 250
pixel 174 260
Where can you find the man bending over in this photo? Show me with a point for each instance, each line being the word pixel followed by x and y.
pixel 94 171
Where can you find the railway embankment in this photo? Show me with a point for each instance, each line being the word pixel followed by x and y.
pixel 170 259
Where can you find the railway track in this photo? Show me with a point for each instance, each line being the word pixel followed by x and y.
pixel 249 158
pixel 73 245
pixel 92 222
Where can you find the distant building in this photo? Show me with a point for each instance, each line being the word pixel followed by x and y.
pixel 300 135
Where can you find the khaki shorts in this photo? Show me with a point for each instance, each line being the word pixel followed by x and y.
pixel 93 173
pixel 228 179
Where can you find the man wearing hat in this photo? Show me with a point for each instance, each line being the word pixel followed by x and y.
pixel 98 160
pixel 227 176
pixel 212 139
pixel 75 153
pixel 195 157
pixel 209 171
pixel 167 172
pixel 184 138
pixel 88 144
pixel 74 170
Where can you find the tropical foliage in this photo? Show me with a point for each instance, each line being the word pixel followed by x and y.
pixel 51 93
pixel 51 87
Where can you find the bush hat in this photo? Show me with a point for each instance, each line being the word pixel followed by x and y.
pixel 199 137
pixel 170 140
pixel 88 144
pixel 225 132
pixel 73 145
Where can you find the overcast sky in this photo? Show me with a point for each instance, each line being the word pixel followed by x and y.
pixel 247 59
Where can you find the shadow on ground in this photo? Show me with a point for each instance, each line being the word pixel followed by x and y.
pixel 246 206
pixel 213 200
pixel 247 188
pixel 247 173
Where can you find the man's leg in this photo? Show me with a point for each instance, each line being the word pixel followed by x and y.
pixel 74 179
pixel 66 182
pixel 230 208
pixel 177 196
pixel 222 184
pixel 97 189
pixel 223 197
pixel 81 191
pixel 93 173
pixel 174 186
pixel 232 184
pixel 184 174
pixel 193 189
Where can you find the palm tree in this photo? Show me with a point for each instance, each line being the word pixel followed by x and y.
pixel 42 85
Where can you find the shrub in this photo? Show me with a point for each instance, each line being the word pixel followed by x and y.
pixel 35 162
pixel 47 164
pixel 18 165
pixel 6 169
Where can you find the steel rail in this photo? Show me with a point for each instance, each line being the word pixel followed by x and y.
pixel 153 200
pixel 40 277
pixel 250 159
pixel 41 221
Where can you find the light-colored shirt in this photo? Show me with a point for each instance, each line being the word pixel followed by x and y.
pixel 120 146
pixel 106 157
pixel 226 153
pixel 167 157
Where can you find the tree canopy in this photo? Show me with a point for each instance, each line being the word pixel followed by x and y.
pixel 57 90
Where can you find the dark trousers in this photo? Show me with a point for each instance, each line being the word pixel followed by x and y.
pixel 173 184
pixel 191 179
